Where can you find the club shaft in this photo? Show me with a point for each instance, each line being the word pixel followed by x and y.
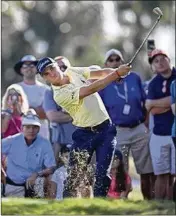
pixel 133 58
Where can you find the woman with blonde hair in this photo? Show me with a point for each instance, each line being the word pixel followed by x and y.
pixel 14 104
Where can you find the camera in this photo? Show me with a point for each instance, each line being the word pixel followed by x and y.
pixel 14 95
pixel 150 47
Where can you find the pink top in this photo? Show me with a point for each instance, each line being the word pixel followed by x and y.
pixel 112 193
pixel 14 126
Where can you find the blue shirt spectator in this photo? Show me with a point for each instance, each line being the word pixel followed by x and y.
pixel 159 88
pixel 125 102
pixel 173 101
pixel 62 132
pixel 24 160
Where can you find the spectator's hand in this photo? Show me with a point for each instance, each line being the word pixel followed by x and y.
pixel 31 180
pixel 123 70
pixel 3 176
pixel 123 195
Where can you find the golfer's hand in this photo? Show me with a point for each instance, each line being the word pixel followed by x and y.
pixel 123 70
pixel 31 180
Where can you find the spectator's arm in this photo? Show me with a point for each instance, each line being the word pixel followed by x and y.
pixel 49 160
pixel 173 96
pixel 173 107
pixel 159 110
pixel 40 112
pixel 161 103
pixel 58 116
pixel 47 171
pixel 6 145
pixel 125 193
pixel 5 122
pixel 52 189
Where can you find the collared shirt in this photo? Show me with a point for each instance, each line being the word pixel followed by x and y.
pixel 173 101
pixel 115 96
pixel 24 160
pixel 35 95
pixel 61 132
pixel 159 88
pixel 87 112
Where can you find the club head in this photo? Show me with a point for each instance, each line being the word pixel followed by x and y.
pixel 158 11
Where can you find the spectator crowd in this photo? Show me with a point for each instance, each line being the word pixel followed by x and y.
pixel 74 139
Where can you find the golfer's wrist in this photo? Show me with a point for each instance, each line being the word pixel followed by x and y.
pixel 118 74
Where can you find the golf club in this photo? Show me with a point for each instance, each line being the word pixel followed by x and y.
pixel 157 11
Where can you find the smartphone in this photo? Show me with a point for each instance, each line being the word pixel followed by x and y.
pixel 150 46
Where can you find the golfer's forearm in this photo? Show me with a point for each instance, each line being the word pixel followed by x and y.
pixel 97 85
pixel 102 73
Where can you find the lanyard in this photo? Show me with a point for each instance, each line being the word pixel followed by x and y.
pixel 125 97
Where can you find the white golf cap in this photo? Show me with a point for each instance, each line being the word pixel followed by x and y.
pixel 31 118
pixel 113 52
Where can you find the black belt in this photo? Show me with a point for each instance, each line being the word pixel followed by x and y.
pixel 133 125
pixel 97 127
pixel 10 182
pixel 28 192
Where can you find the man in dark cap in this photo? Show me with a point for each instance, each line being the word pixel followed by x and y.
pixel 75 94
pixel 159 104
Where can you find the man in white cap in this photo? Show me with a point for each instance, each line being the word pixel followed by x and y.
pixel 29 156
pixel 125 104
pixel 34 89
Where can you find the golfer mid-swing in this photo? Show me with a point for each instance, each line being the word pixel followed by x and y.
pixel 80 99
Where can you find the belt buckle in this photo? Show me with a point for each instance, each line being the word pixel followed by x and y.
pixel 93 129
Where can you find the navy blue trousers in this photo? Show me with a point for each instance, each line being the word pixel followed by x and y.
pixel 102 142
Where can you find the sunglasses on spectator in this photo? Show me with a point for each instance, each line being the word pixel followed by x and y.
pixel 28 66
pixel 114 59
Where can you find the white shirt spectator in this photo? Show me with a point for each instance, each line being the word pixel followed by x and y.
pixel 35 94
pixel 59 177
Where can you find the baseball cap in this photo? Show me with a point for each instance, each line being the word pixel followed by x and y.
pixel 156 52
pixel 113 52
pixel 31 118
pixel 43 63
pixel 26 58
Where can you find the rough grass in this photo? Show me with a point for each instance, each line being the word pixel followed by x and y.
pixel 87 206
pixel 134 206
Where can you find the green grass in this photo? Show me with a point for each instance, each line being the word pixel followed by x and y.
pixel 133 206
pixel 86 207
